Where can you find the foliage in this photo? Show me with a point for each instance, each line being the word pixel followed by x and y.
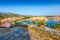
pixel 26 17
pixel 6 15
pixel 40 23
pixel 57 26
pixel 16 23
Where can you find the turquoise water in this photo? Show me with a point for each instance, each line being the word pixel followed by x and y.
pixel 27 22
pixel 50 23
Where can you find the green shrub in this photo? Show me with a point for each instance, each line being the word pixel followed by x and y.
pixel 41 23
pixel 57 26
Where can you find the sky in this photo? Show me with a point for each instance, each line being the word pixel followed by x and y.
pixel 31 7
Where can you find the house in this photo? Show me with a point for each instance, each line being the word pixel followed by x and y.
pixel 5 24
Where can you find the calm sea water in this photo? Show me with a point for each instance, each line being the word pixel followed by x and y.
pixel 50 23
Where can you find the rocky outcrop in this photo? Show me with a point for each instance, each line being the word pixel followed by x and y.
pixel 36 34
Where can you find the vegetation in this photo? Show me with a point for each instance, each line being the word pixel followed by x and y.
pixel 57 26
pixel 25 17
pixel 14 23
pixel 40 23
pixel 6 15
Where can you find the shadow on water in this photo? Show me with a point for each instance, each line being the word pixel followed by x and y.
pixel 14 33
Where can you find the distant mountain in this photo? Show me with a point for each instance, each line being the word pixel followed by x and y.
pixel 4 15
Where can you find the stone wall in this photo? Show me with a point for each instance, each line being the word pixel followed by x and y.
pixel 36 34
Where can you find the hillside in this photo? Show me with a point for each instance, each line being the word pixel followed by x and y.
pixel 5 15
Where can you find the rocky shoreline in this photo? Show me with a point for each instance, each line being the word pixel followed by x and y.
pixel 40 34
pixel 49 30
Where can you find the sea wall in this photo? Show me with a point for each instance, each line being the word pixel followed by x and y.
pixel 37 34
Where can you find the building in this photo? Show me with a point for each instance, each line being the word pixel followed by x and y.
pixel 5 24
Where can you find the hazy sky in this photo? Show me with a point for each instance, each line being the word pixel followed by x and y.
pixel 31 7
